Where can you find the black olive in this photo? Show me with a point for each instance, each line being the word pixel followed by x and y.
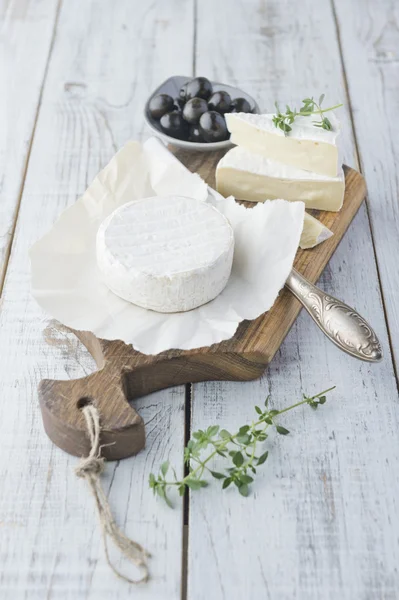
pixel 220 101
pixel 174 125
pixel 179 104
pixel 240 105
pixel 199 87
pixel 160 105
pixel 193 109
pixel 213 127
pixel 195 135
pixel 183 91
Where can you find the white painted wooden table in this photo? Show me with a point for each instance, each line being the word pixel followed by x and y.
pixel 323 520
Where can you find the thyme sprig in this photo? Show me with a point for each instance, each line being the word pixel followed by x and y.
pixel 309 107
pixel 240 449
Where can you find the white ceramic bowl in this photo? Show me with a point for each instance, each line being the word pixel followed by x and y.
pixel 172 86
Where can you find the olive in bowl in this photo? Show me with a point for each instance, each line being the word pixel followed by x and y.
pixel 199 87
pixel 195 135
pixel 160 105
pixel 220 101
pixel 178 104
pixel 240 105
pixel 174 125
pixel 193 109
pixel 212 126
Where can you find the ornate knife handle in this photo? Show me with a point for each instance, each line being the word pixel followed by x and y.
pixel 340 323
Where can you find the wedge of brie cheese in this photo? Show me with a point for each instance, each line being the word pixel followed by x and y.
pixel 249 176
pixel 168 254
pixel 305 146
pixel 313 233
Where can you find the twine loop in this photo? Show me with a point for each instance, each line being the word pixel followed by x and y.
pixel 91 468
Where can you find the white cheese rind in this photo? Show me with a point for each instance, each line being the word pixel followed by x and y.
pixel 313 233
pixel 252 177
pixel 306 146
pixel 168 254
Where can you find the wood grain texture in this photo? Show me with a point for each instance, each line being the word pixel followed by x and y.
pixel 125 374
pixel 106 59
pixel 323 519
pixel 369 36
pixel 23 26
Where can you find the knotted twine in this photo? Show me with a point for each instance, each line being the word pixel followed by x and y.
pixel 91 468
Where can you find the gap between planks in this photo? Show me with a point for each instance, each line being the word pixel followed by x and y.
pixel 7 256
pixel 360 167
pixel 186 497
pixel 188 393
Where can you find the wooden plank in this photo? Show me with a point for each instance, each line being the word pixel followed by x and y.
pixel 103 66
pixel 369 35
pixel 315 526
pixel 23 26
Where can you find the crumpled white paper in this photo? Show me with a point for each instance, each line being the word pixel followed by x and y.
pixel 67 284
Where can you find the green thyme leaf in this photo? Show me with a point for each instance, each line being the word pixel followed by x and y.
pixel 212 431
pixel 217 475
pixel 165 467
pixel 243 489
pixel 246 478
pixel 243 430
pixel 243 439
pixel 262 458
pixel 238 459
pixel 193 484
pixel 282 430
pixel 224 434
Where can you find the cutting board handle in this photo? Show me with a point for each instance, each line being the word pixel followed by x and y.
pixel 110 389
pixel 122 428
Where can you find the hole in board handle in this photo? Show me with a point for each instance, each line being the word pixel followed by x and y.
pixel 82 402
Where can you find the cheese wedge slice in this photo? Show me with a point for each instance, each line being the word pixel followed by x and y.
pixel 313 233
pixel 249 176
pixel 305 146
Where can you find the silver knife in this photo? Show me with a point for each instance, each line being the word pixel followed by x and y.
pixel 338 321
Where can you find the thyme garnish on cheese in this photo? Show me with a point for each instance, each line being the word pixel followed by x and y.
pixel 309 107
pixel 240 450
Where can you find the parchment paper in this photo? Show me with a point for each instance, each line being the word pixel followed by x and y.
pixel 67 284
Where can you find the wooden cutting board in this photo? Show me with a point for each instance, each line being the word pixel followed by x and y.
pixel 124 374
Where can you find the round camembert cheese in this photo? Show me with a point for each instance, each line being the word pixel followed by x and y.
pixel 167 254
